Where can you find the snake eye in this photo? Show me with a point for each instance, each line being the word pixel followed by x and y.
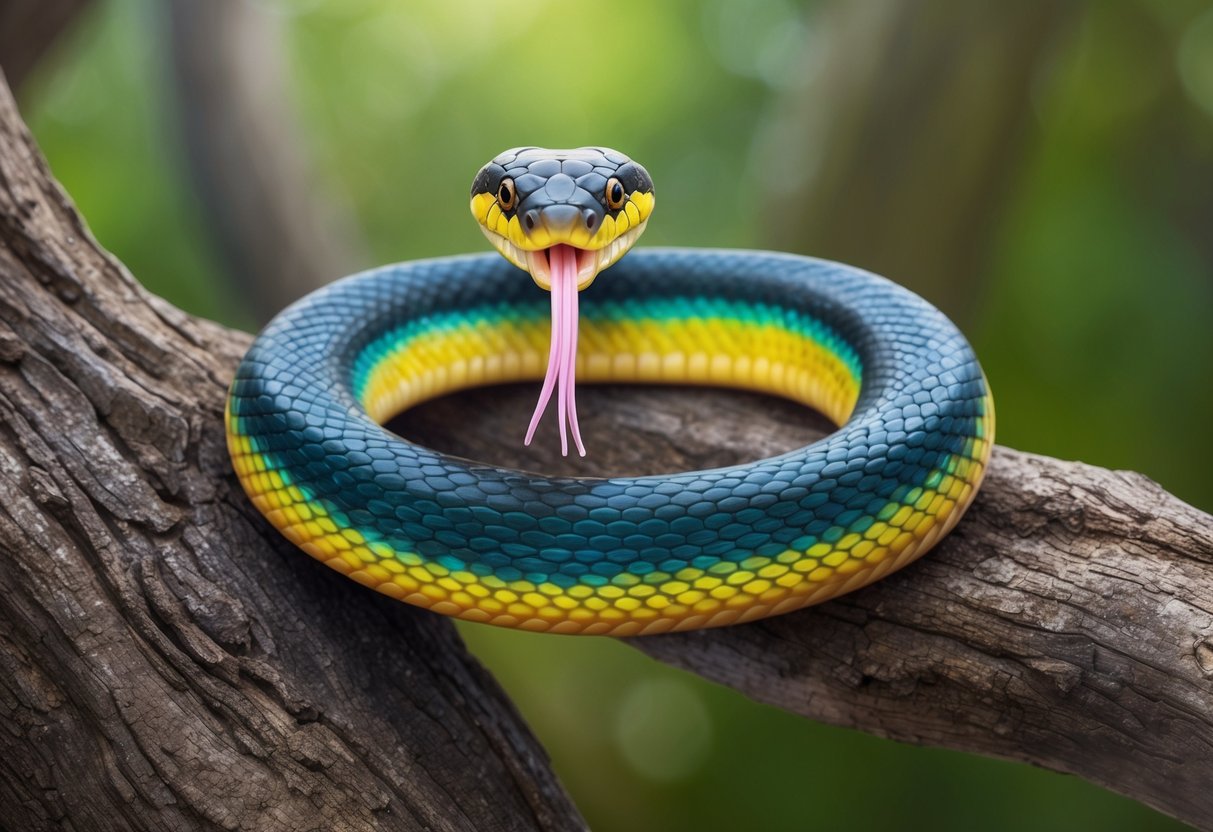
pixel 506 194
pixel 615 195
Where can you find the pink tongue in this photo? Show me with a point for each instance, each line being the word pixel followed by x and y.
pixel 562 357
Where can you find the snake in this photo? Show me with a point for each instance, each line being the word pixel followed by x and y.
pixel 620 555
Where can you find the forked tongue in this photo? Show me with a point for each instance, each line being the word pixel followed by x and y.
pixel 562 357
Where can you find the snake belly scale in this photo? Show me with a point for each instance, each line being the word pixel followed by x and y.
pixel 620 555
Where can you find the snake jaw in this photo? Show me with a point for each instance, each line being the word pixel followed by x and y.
pixel 537 263
pixel 562 216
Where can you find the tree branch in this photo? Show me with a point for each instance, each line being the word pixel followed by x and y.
pixel 1066 622
pixel 166 660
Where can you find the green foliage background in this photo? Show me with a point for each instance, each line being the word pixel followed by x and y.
pixel 1094 325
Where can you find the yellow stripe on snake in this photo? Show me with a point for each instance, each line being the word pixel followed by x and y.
pixel 623 555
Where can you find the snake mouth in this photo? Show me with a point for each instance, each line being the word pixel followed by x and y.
pixel 540 265
pixel 562 270
pixel 538 262
pixel 564 266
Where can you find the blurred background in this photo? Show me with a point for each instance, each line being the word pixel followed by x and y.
pixel 1042 171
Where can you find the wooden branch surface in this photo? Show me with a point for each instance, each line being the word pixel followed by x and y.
pixel 169 663
pixel 1066 622
pixel 166 660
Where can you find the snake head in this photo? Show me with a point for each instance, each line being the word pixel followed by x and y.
pixel 529 200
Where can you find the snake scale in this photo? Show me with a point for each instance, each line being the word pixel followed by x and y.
pixel 619 555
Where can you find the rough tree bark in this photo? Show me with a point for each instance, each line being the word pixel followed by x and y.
pixel 1067 621
pixel 166 662
pixel 168 658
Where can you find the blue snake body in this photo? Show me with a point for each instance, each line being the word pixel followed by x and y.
pixel 623 555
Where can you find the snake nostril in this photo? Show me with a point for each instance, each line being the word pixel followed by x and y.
pixel 591 219
pixel 531 219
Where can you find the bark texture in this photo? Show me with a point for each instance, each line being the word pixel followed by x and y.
pixel 166 661
pixel 1067 621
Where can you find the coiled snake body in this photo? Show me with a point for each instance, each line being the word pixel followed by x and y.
pixel 624 555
